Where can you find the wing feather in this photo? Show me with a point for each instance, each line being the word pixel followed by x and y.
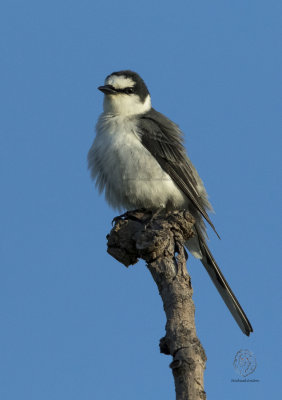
pixel 164 140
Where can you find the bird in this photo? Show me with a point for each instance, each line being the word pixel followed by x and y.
pixel 138 160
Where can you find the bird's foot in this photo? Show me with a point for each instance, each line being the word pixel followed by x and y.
pixel 154 214
pixel 133 214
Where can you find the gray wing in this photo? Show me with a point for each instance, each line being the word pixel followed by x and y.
pixel 164 140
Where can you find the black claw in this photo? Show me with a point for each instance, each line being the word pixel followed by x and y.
pixel 118 218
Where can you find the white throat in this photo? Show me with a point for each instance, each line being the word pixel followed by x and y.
pixel 125 105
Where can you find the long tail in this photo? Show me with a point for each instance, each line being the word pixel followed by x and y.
pixel 222 286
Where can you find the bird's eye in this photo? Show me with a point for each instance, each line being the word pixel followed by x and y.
pixel 129 90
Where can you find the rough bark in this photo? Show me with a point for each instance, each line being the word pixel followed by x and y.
pixel 159 240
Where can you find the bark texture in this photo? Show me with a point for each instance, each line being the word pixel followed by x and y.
pixel 159 240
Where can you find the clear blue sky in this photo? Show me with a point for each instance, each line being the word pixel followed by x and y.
pixel 75 324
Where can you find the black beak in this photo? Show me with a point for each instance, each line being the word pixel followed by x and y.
pixel 107 89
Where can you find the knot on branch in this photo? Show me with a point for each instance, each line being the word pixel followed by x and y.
pixel 148 235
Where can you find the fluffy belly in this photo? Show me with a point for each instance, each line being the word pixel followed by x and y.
pixel 146 187
pixel 129 174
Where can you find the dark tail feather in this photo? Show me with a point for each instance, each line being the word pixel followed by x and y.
pixel 224 289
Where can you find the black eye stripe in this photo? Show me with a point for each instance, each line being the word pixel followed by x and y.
pixel 127 90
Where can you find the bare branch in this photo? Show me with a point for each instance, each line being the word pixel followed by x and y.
pixel 159 240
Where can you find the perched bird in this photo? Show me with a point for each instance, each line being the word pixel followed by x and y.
pixel 139 160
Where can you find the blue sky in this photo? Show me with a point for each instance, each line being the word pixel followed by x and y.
pixel 75 324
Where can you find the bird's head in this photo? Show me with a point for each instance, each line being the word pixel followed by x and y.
pixel 125 94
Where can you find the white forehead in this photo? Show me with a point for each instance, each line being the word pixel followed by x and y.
pixel 119 82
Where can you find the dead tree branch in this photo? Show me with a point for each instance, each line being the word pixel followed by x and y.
pixel 159 240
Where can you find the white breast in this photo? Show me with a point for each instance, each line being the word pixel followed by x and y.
pixel 126 170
